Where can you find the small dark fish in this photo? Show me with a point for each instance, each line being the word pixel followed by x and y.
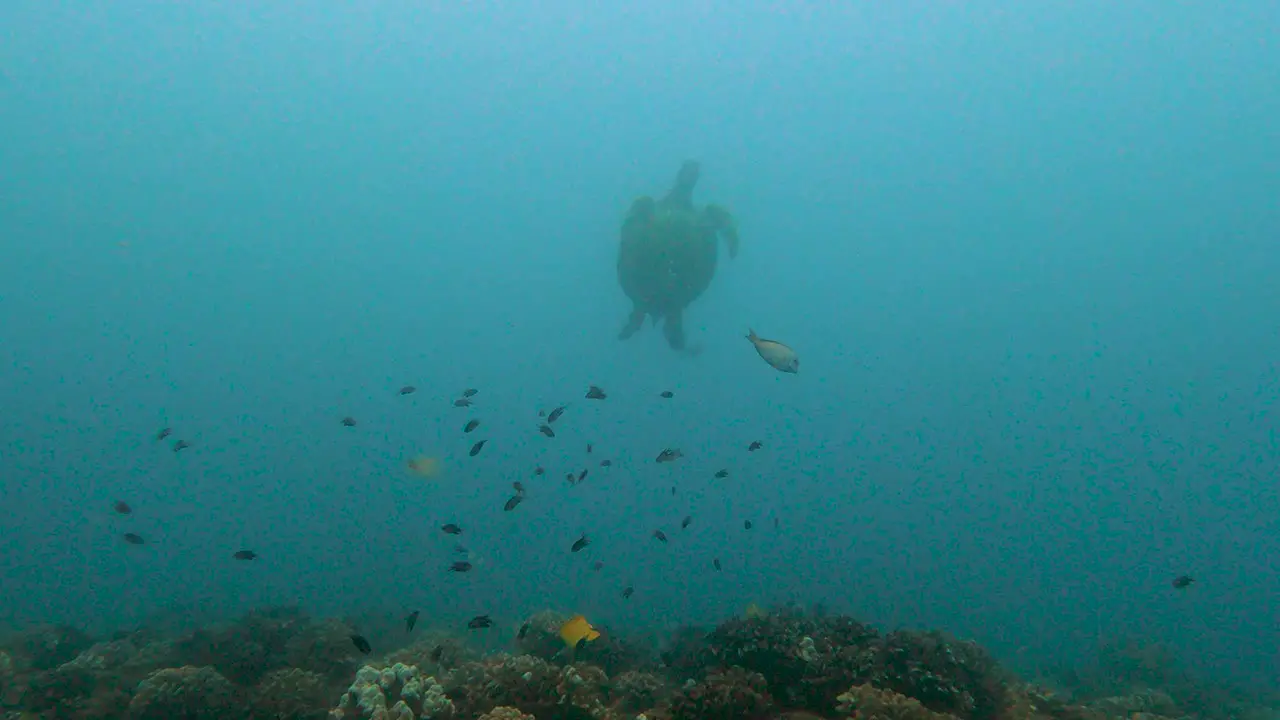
pixel 746 524
pixel 348 421
pixel 134 539
pixel 590 447
pixel 181 445
pixel 410 621
pixel 462 402
pixel 408 390
pixel 245 555
pixel 686 521
pixel 554 415
pixel 660 536
pixel 545 429
pixel 669 455
pixel 722 474
pixel 469 392
pixel 580 543
pixel 471 425
pixel 519 486
pixel 595 393
pixel 479 622
pixel 361 644
pixel 122 507
pixel 164 433
pixel 460 548
pixel 542 413
pixel 580 645
pixel 673 490
pixel 437 652
pixel 754 446
pixel 627 592
pixel 538 471
pixel 775 523
pixel 1182 582
pixel 598 566
pixel 667 394
pixel 524 630
pixel 716 562
pixel 460 566
pixel 475 449
pixel 513 502
pixel 451 529
pixel 606 463
pixel 582 475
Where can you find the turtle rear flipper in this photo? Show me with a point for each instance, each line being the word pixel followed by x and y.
pixel 634 322
pixel 673 329
pixel 722 220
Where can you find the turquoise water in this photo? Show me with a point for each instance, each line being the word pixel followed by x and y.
pixel 1026 254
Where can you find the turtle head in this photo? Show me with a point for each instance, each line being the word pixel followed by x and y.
pixel 688 176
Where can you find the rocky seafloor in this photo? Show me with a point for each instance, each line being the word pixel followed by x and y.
pixel 280 664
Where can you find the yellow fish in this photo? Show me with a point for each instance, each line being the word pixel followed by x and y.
pixel 754 611
pixel 576 629
pixel 425 466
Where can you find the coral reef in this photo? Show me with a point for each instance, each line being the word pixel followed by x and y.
pixel 397 692
pixel 291 694
pixel 187 693
pixel 506 713
pixel 735 694
pixel 783 664
pixel 864 702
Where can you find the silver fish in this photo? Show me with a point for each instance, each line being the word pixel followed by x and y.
pixel 775 353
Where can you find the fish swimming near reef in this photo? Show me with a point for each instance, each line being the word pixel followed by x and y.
pixel 779 356
pixel 577 630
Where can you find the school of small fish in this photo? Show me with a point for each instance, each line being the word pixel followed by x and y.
pixel 577 631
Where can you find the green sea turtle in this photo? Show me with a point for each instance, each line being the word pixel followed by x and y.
pixel 667 256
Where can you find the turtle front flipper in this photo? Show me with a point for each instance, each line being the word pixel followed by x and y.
pixel 723 222
pixel 640 212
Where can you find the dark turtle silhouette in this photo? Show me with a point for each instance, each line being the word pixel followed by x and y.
pixel 667 256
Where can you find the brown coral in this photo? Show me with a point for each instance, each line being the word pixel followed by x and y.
pixel 506 713
pixel 735 694
pixel 291 694
pixel 864 702
pixel 636 691
pixel 187 693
